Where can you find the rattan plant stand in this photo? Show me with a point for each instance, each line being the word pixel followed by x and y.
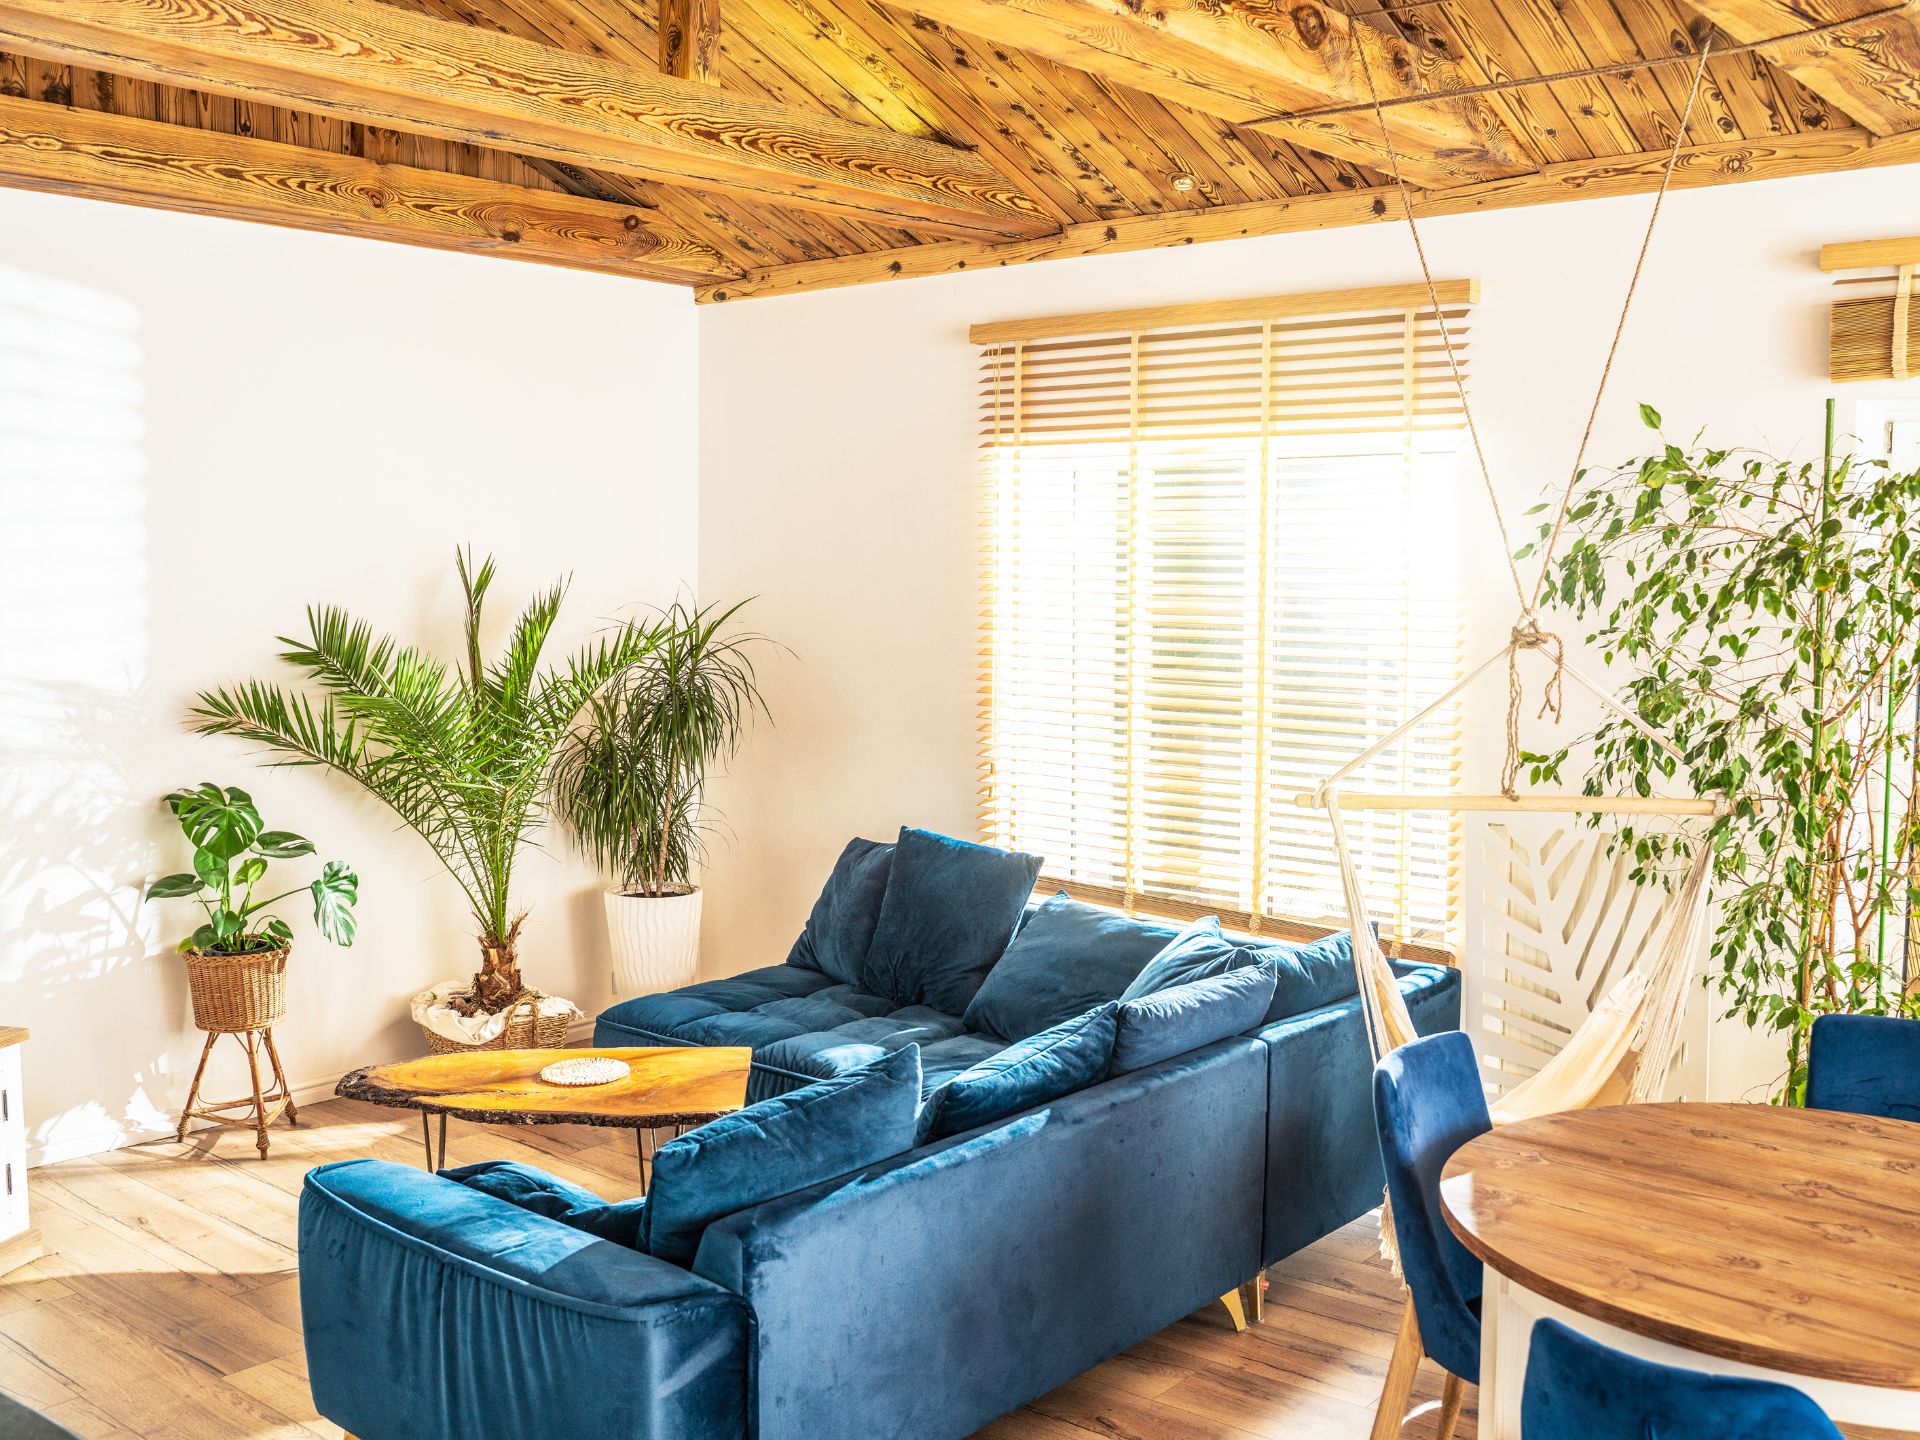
pixel 244 996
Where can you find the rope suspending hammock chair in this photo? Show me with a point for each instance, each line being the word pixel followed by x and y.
pixel 1624 1049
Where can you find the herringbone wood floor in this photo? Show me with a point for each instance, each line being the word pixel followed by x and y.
pixel 168 1309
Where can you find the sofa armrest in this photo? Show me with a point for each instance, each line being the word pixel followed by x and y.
pixel 433 1311
pixel 1323 1153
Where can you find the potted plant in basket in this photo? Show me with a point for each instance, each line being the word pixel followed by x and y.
pixel 237 958
pixel 629 779
pixel 461 752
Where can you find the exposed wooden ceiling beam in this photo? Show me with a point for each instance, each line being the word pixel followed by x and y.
pixel 690 39
pixel 1815 152
pixel 1247 59
pixel 205 172
pixel 383 66
pixel 1870 70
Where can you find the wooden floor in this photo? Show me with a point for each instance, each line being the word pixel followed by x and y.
pixel 168 1308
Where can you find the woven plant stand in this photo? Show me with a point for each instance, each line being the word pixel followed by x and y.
pixel 244 996
pixel 526 1029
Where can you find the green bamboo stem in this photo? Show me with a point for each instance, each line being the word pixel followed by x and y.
pixel 1811 819
pixel 1886 849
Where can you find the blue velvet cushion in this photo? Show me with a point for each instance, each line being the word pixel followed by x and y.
pixel 1066 958
pixel 1184 1017
pixel 840 927
pixel 1067 1057
pixel 778 1146
pixel 557 1199
pixel 1866 1064
pixel 949 910
pixel 1579 1389
pixel 1196 953
pixel 1309 976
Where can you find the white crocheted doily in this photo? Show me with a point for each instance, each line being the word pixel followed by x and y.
pixel 587 1070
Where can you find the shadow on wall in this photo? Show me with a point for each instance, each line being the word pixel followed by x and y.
pixel 74 843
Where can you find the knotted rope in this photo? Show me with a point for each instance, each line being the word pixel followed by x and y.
pixel 1527 635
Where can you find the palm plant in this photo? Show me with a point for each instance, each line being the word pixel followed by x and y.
pixel 628 780
pixel 462 754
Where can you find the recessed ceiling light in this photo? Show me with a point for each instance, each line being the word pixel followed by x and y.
pixel 1184 182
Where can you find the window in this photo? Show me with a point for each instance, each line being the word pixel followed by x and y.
pixel 1221 560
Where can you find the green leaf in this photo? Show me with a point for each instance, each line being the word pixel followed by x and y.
pixel 211 868
pixel 250 870
pixel 222 822
pixel 202 939
pixel 1649 417
pixel 283 845
pixel 174 887
pixel 334 896
pixel 280 930
pixel 226 924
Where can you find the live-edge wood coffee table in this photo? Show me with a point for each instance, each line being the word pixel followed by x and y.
pixel 666 1087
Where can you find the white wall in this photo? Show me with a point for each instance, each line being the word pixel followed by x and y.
pixel 204 427
pixel 839 482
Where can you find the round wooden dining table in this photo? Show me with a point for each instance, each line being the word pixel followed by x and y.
pixel 1751 1240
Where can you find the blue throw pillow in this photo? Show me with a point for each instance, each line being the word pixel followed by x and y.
pixel 840 927
pixel 1310 976
pixel 1184 1017
pixel 779 1146
pixel 1068 1057
pixel 1197 953
pixel 949 911
pixel 554 1198
pixel 1066 958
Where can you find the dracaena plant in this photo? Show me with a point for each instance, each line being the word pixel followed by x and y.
pixel 231 848
pixel 461 751
pixel 629 779
pixel 1764 612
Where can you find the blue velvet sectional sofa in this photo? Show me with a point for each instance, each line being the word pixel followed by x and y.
pixel 918 1295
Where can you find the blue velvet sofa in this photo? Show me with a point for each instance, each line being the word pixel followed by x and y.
pixel 920 1296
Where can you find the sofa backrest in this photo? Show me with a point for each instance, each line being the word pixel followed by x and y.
pixel 1308 973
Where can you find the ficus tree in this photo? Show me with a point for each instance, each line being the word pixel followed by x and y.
pixel 1764 612
pixel 462 752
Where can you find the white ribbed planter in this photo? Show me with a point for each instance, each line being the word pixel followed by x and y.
pixel 656 941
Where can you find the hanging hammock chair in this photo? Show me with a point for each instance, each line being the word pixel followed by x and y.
pixel 1624 1050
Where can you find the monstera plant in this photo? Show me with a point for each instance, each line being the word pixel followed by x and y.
pixel 231 848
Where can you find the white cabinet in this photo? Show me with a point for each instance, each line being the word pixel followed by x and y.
pixel 18 1241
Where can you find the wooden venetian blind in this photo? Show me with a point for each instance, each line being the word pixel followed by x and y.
pixel 1221 560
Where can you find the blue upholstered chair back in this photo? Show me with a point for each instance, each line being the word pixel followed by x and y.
pixel 1579 1389
pixel 1869 1064
pixel 1427 1103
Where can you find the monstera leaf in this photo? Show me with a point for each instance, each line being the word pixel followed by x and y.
pixel 220 821
pixel 334 894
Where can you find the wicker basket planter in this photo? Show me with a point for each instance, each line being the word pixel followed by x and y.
pixel 236 993
pixel 525 1030
pixel 522 1027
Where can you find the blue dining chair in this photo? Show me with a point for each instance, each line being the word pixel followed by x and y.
pixel 1427 1103
pixel 1579 1389
pixel 1869 1064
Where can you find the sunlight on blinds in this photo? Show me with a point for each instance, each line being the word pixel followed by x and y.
pixel 1222 559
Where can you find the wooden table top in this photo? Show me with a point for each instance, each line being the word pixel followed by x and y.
pixel 1783 1238
pixel 668 1085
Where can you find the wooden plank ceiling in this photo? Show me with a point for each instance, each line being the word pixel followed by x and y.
pixel 766 146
